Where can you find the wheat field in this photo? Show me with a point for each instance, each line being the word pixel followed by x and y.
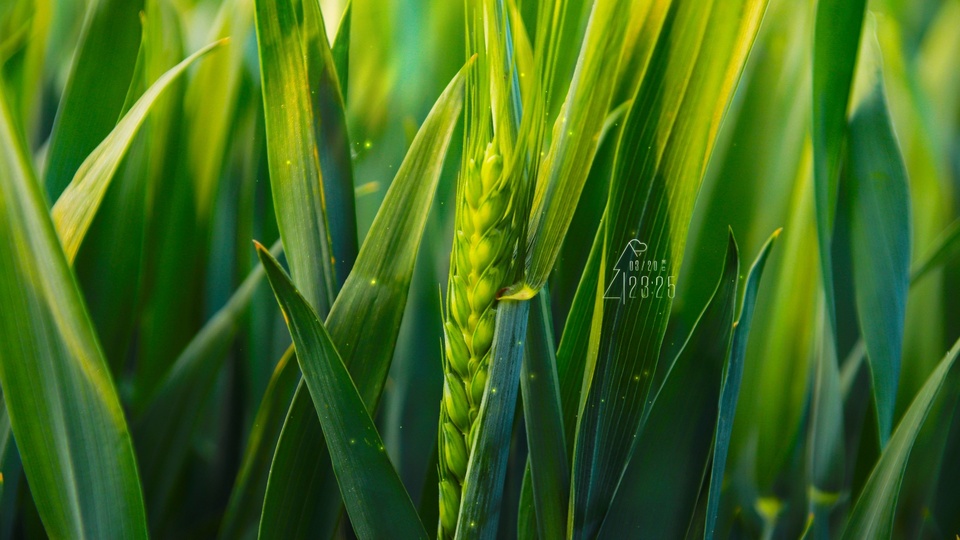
pixel 459 269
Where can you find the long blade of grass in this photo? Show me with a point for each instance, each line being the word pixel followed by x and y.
pixel 483 485
pixel 292 152
pixel 873 513
pixel 63 406
pixel 377 503
pixel 549 464
pixel 879 232
pixel 96 88
pixel 667 138
pixel 330 129
pixel 76 207
pixel 341 49
pixel 658 491
pixel 576 136
pixel 835 45
pixel 371 303
pixel 730 391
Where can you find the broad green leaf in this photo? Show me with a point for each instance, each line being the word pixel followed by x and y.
pixel 576 136
pixel 164 431
pixel 241 517
pixel 75 209
pixel 873 513
pixel 549 464
pixel 835 45
pixel 95 91
pixel 63 407
pixel 657 493
pixel 730 391
pixel 879 232
pixel 330 130
pixel 666 141
pixel 341 49
pixel 483 485
pixel 376 501
pixel 292 152
pixel 371 303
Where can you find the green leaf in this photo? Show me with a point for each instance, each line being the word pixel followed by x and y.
pixel 879 233
pixel 666 141
pixel 165 430
pixel 836 40
pixel 75 209
pixel 549 464
pixel 341 49
pixel 292 152
pixel 657 493
pixel 376 501
pixel 873 513
pixel 95 91
pixel 483 485
pixel 576 136
pixel 241 517
pixel 371 303
pixel 63 407
pixel 730 391
pixel 330 130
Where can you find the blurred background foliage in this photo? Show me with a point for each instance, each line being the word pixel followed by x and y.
pixel 186 235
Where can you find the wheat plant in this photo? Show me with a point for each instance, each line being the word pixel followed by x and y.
pixel 697 264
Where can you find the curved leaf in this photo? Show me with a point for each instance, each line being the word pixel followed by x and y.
pixel 879 234
pixel 872 515
pixel 75 209
pixel 364 323
pixel 377 503
pixel 292 152
pixel 730 391
pixel 64 410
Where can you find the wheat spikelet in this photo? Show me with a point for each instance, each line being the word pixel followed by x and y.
pixel 481 261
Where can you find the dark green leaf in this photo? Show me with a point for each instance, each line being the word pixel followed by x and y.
pixel 364 323
pixel 549 464
pixel 879 234
pixel 95 92
pixel 376 501
pixel 658 491
pixel 483 485
pixel 733 375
